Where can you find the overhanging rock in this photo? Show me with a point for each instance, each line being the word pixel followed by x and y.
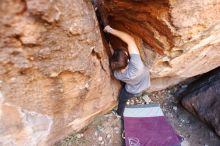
pixel 177 39
pixel 54 72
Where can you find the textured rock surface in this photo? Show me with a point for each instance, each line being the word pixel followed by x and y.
pixel 202 98
pixel 184 35
pixel 54 75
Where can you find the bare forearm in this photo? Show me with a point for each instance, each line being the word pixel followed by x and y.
pixel 129 40
pixel 123 36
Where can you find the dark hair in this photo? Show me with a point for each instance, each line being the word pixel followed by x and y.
pixel 119 59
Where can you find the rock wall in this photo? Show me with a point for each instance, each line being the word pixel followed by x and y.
pixel 54 72
pixel 178 39
pixel 201 98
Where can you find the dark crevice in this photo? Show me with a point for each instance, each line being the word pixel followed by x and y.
pixel 128 22
pixel 97 55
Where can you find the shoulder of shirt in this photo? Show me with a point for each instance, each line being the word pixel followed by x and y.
pixel 134 54
pixel 116 73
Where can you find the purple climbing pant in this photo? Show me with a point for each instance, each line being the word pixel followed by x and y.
pixel 145 125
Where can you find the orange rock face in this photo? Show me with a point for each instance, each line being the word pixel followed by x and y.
pixel 177 39
pixel 54 72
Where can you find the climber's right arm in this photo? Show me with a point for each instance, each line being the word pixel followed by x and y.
pixel 129 40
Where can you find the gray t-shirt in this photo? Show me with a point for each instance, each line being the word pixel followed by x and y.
pixel 136 76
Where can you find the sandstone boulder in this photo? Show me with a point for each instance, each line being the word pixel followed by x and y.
pixel 177 39
pixel 202 98
pixel 54 72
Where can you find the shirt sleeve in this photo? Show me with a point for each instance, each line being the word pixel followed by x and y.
pixel 135 65
pixel 135 62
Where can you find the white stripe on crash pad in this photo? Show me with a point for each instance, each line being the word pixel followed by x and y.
pixel 143 112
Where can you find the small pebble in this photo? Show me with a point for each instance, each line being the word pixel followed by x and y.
pixel 100 138
pixel 146 98
pixel 132 102
pixel 109 136
pixel 78 135
pixel 87 85
pixel 175 108
pixel 116 129
pixel 184 86
pixel 102 143
pixel 96 133
pixel 182 120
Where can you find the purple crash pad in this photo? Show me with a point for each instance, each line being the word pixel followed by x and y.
pixel 145 125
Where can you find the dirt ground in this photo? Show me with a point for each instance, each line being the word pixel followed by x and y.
pixel 105 130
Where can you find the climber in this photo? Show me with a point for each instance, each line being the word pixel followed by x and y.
pixel 128 68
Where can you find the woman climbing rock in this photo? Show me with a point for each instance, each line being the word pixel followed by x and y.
pixel 128 68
